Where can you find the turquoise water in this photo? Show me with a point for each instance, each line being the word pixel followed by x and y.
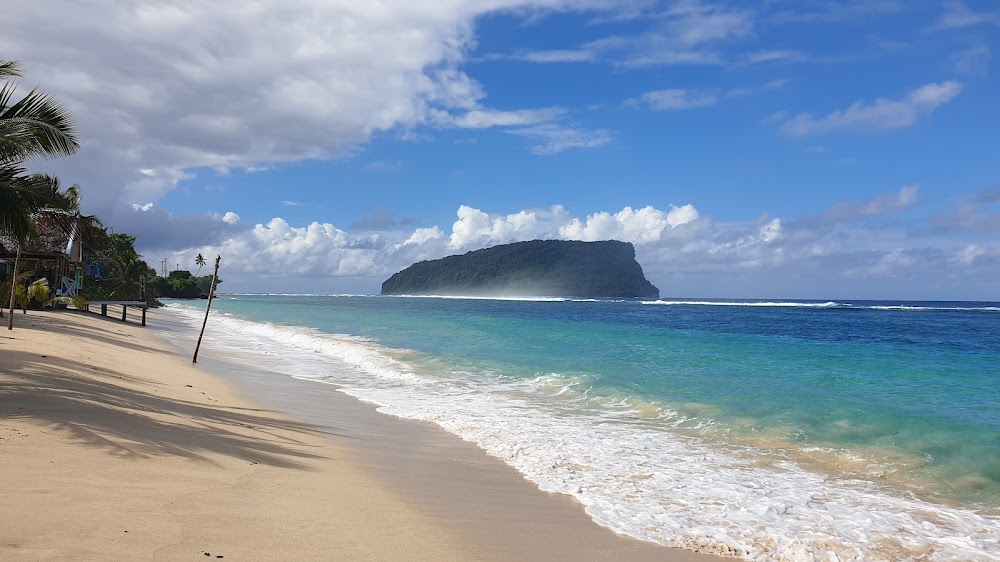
pixel 770 430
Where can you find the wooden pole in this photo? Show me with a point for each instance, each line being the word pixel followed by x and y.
pixel 211 295
pixel 143 300
pixel 13 287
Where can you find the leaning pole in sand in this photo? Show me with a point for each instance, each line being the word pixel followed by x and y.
pixel 211 295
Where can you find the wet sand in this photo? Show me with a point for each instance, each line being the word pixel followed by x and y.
pixel 112 444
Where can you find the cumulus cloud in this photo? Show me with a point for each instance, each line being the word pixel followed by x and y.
pixel 322 250
pixel 683 251
pixel 640 226
pixel 157 230
pixel 162 88
pixel 881 115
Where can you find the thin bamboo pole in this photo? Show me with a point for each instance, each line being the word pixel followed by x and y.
pixel 13 287
pixel 211 295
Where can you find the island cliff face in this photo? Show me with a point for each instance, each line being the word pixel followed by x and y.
pixel 536 268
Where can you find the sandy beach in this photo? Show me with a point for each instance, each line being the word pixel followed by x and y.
pixel 113 445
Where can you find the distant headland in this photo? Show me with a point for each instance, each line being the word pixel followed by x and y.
pixel 534 268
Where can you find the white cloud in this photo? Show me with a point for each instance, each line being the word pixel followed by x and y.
pixel 894 261
pixel 639 226
pixel 969 254
pixel 164 87
pixel 323 250
pixel 486 118
pixel 676 99
pixel 559 55
pixel 770 231
pixel 839 10
pixel 774 55
pixel 958 16
pixel 423 235
pixel 551 138
pixel 881 115
pixel 682 33
pixel 231 218
pixel 383 165
pixel 974 61
pixel 682 251
pixel 768 87
pixel 474 228
pixel 907 196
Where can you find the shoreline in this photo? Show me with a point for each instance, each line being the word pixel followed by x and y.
pixel 108 452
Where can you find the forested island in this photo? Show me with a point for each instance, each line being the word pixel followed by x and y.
pixel 534 268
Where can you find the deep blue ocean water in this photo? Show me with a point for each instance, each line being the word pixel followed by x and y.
pixel 774 430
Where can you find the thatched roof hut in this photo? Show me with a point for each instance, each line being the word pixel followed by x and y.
pixel 56 252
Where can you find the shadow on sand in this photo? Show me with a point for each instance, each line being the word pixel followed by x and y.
pixel 98 411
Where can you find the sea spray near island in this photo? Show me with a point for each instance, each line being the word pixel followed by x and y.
pixel 767 429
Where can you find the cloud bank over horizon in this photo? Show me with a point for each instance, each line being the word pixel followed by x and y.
pixel 684 252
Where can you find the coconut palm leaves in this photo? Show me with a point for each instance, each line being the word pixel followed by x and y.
pixel 33 126
pixel 12 290
pixel 21 196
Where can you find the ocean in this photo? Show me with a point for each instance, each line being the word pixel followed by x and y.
pixel 770 430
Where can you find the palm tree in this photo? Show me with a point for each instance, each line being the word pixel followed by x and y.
pixel 13 290
pixel 34 126
pixel 125 276
pixel 86 228
pixel 200 262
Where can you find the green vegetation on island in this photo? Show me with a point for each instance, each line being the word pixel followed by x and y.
pixel 534 268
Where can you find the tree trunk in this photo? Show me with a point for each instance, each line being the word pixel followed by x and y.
pixel 13 280
pixel 211 295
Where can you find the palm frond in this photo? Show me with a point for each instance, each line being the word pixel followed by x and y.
pixel 19 201
pixel 9 68
pixel 36 125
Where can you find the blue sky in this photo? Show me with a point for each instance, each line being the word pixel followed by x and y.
pixel 774 149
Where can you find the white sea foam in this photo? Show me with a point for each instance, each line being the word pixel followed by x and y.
pixel 481 298
pixel 634 475
pixel 293 295
pixel 913 307
pixel 829 304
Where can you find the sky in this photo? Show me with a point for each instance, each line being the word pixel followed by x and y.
pixel 773 149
